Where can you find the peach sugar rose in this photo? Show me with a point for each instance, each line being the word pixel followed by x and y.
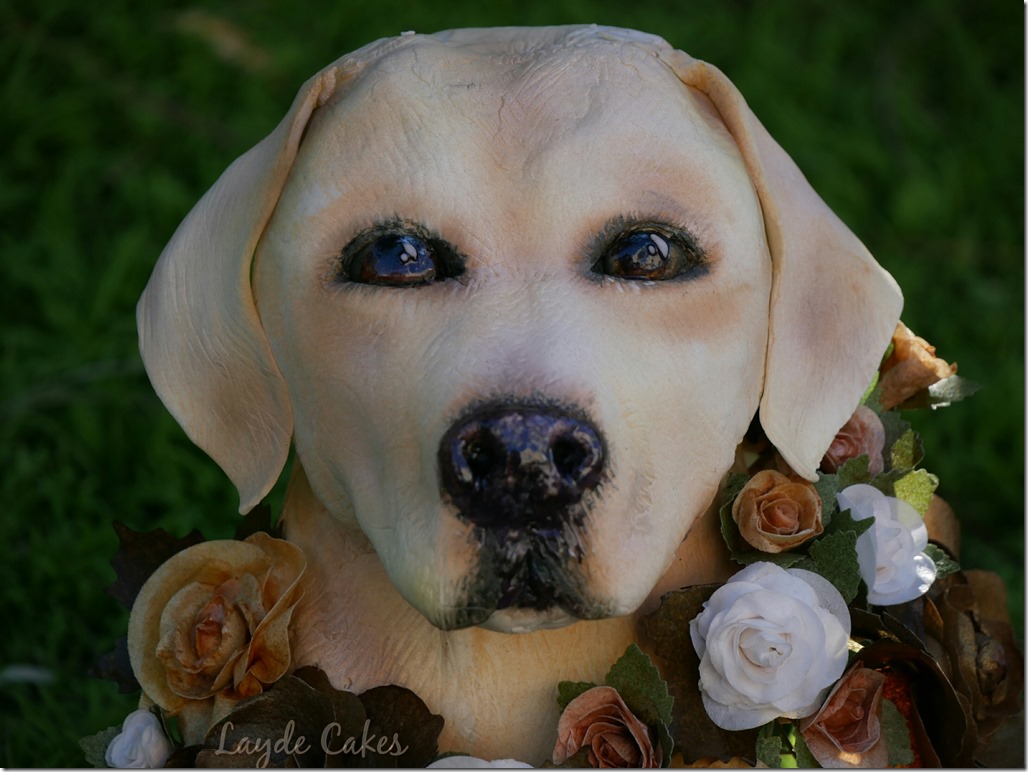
pixel 211 626
pixel 599 720
pixel 846 731
pixel 776 513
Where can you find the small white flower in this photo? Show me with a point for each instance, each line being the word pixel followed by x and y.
pixel 470 762
pixel 771 643
pixel 891 552
pixel 142 743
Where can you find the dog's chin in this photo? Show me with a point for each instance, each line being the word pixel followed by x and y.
pixel 509 609
pixel 524 620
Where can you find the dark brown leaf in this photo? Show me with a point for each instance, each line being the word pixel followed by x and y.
pixel 343 740
pixel 139 555
pixel 279 728
pixel 406 732
pixel 1004 747
pixel 115 666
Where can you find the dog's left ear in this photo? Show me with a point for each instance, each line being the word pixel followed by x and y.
pixel 200 335
pixel 833 308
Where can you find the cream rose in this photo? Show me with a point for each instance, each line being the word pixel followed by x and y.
pixel 212 624
pixel 599 720
pixel 776 513
pixel 862 434
pixel 891 552
pixel 771 642
pixel 141 744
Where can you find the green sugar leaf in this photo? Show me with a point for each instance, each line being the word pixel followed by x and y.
pixel 952 389
pixel 917 488
pixel 94 747
pixel 804 758
pixel 942 393
pixel 769 751
pixel 569 690
pixel 895 427
pixel 843 521
pixel 729 530
pixel 835 558
pixel 640 685
pixel 854 471
pixel 827 486
pixel 944 564
pixel 907 451
pixel 896 734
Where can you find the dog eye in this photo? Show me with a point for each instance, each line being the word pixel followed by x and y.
pixel 650 255
pixel 397 259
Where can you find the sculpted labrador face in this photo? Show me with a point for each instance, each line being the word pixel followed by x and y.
pixel 490 283
pixel 515 296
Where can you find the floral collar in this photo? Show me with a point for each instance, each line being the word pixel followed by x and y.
pixel 849 637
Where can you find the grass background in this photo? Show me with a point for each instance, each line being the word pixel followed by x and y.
pixel 907 117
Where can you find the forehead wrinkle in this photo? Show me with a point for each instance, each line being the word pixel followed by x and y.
pixel 389 135
pixel 552 98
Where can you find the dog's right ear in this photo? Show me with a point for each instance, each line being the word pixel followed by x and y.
pixel 200 336
pixel 833 308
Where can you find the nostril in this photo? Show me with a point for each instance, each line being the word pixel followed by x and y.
pixel 568 455
pixel 483 454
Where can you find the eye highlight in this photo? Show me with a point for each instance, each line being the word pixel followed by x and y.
pixel 398 255
pixel 650 252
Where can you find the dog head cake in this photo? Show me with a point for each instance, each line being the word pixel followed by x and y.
pixel 515 297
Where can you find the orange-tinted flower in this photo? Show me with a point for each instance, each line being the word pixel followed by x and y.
pixel 776 513
pixel 600 721
pixel 212 622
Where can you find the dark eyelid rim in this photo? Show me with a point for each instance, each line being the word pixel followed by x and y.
pixel 623 225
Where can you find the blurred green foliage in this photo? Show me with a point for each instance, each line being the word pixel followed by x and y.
pixel 907 117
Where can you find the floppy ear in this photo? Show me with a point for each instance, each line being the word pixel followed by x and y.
pixel 199 332
pixel 833 308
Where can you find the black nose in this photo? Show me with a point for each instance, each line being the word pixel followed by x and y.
pixel 520 466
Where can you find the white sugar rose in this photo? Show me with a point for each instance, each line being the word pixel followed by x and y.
pixel 891 552
pixel 771 643
pixel 142 743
